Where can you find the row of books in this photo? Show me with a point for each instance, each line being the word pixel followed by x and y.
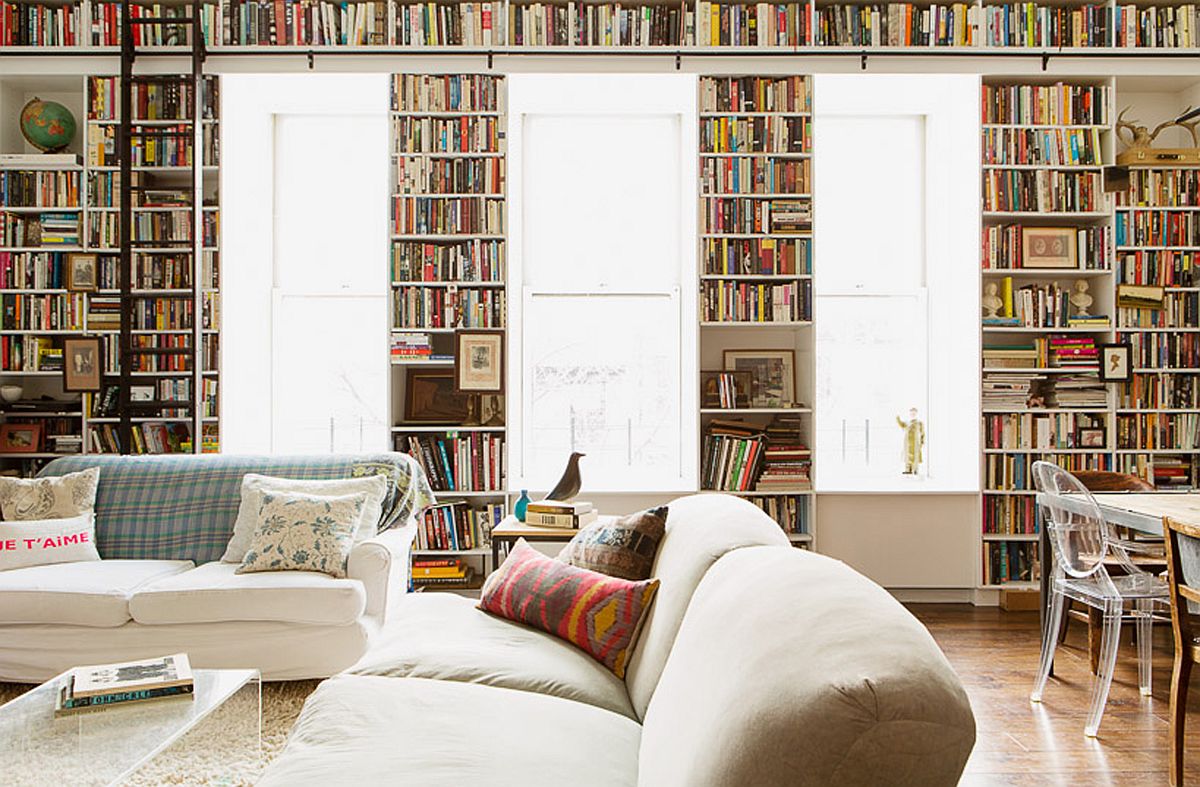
pixel 160 229
pixel 757 256
pixel 429 175
pixel 1168 350
pixel 731 454
pixel 1010 561
pixel 1043 191
pixel 153 146
pixel 446 92
pixel 1157 27
pixel 584 24
pixel 755 94
pixel 1041 146
pixel 898 25
pixel 1044 431
pixel 743 215
pixel 106 23
pixel 104 191
pixel 1149 227
pixel 30 354
pixel 790 511
pixel 1152 431
pixel 1059 104
pixel 1160 391
pixel 1011 472
pixel 1162 268
pixel 448 216
pixel 749 24
pixel 1005 246
pixel 157 271
pixel 1161 188
pixel 449 307
pixel 33 270
pixel 786 458
pixel 39 189
pixel 32 230
pixel 40 24
pixel 454 462
pixel 449 24
pixel 147 438
pixel 771 134
pixel 463 134
pixel 21 312
pixel 475 260
pixel 1040 306
pixel 158 361
pixel 171 389
pixel 1010 514
pixel 1035 25
pixel 166 99
pixel 457 526
pixel 297 22
pixel 1178 472
pixel 1177 310
pixel 748 301
pixel 755 175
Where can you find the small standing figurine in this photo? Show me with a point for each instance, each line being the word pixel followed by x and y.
pixel 1080 298
pixel 914 441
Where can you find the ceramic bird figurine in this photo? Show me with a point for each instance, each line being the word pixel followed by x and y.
pixel 568 486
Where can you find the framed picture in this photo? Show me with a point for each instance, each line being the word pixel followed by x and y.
pixel 479 361
pixel 772 374
pixel 725 390
pixel 491 410
pixel 21 438
pixel 81 364
pixel 141 393
pixel 1048 247
pixel 81 272
pixel 1114 363
pixel 430 398
pixel 1089 437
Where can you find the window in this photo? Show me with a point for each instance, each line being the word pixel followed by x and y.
pixel 896 246
pixel 603 354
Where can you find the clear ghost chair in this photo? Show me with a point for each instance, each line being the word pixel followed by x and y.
pixel 1082 541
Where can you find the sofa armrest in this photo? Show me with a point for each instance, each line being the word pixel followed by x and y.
pixel 382 564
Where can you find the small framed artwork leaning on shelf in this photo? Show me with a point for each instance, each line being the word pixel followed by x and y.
pixel 81 364
pixel 1049 247
pixel 431 398
pixel 773 373
pixel 20 438
pixel 81 272
pixel 1114 363
pixel 479 362
pixel 726 390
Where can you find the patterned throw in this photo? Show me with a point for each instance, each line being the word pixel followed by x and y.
pixel 299 532
pixel 183 507
pixel 48 498
pixel 599 614
pixel 623 547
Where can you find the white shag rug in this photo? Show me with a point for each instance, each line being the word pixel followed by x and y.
pixel 199 758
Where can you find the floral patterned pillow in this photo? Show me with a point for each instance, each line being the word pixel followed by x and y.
pixel 299 532
pixel 52 497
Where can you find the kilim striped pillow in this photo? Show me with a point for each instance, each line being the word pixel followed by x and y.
pixel 599 614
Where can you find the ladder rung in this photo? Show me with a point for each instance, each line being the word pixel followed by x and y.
pixel 159 351
pixel 137 243
pixel 166 405
pixel 160 133
pixel 187 187
pixel 180 294
pixel 162 20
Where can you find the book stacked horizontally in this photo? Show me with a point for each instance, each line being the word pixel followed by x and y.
pixel 554 513
pixel 442 572
pixel 128 683
pixel 1009 390
pixel 1079 390
pixel 1075 352
pixel 786 458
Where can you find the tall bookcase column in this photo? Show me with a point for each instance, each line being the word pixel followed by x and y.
pixel 1048 297
pixel 448 246
pixel 756 337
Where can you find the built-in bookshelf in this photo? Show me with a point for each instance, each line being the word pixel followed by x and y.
pixel 755 293
pixel 447 242
pixel 72 199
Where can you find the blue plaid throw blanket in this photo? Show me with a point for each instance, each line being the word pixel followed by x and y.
pixel 182 507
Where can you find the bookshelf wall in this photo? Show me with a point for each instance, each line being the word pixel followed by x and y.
pixel 76 205
pixel 755 247
pixel 447 250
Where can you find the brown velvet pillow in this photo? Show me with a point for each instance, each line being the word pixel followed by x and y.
pixel 624 547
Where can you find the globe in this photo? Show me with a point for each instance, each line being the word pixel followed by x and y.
pixel 47 125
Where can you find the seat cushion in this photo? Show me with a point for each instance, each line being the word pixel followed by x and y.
pixel 89 593
pixel 215 592
pixel 376 730
pixel 443 636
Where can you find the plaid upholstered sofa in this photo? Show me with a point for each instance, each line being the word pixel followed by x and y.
pixel 162 524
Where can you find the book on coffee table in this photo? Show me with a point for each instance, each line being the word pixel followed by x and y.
pixel 106 685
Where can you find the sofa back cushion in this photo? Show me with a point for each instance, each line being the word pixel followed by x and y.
pixel 182 507
pixel 793 669
pixel 700 529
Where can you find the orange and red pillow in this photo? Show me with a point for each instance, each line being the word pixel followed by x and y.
pixel 599 614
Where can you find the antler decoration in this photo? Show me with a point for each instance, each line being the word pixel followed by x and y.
pixel 1140 136
pixel 1190 125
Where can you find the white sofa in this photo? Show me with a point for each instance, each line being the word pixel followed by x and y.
pixel 758 664
pixel 289 624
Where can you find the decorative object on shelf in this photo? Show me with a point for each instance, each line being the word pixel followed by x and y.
pixel 522 505
pixel 81 364
pixel 1139 140
pixel 20 438
pixel 11 393
pixel 725 390
pixel 141 393
pixel 1080 298
pixel 914 441
pixel 773 373
pixel 479 361
pixel 81 272
pixel 47 125
pixel 1114 363
pixel 1140 296
pixel 568 486
pixel 491 410
pixel 1089 437
pixel 991 301
pixel 1049 247
pixel 431 398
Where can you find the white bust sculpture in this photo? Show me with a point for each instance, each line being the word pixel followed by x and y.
pixel 991 301
pixel 1080 298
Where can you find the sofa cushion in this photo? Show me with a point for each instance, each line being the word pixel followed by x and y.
pixel 91 593
pixel 700 530
pixel 49 498
pixel 215 592
pixel 38 542
pixel 622 547
pixel 443 636
pixel 374 730
pixel 812 675
pixel 300 532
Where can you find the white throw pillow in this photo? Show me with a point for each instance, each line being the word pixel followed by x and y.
pixel 253 485
pixel 52 497
pixel 43 541
pixel 299 532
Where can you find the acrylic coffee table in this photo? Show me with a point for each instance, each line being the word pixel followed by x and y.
pixel 107 746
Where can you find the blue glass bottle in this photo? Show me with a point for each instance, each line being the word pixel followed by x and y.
pixel 522 505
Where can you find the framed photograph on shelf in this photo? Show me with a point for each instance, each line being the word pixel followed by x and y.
pixel 1089 437
pixel 20 438
pixel 1048 247
pixel 725 390
pixel 81 364
pixel 772 374
pixel 1114 363
pixel 431 398
pixel 141 393
pixel 81 273
pixel 479 361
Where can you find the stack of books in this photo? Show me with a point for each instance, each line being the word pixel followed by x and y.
pixel 411 346
pixel 441 572
pixel 553 513
pixel 732 452
pixel 128 683
pixel 1076 352
pixel 1079 390
pixel 786 459
pixel 1010 390
pixel 1015 356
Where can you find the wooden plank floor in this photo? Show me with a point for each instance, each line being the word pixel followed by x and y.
pixel 1024 743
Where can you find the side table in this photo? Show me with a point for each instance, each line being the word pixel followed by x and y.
pixel 509 531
